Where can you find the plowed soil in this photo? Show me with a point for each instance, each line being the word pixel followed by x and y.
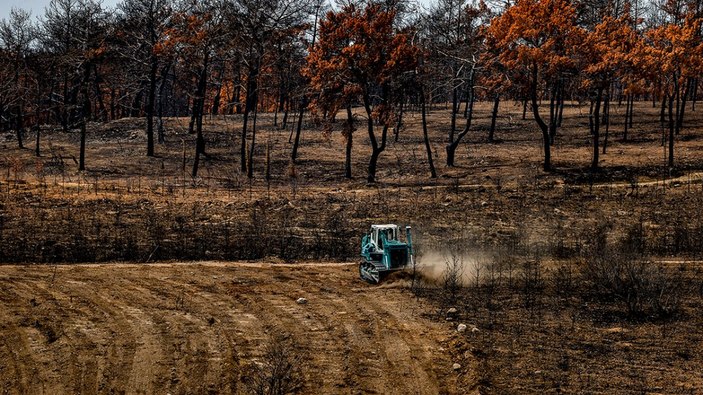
pixel 192 328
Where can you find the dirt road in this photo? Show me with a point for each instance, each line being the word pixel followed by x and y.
pixel 192 328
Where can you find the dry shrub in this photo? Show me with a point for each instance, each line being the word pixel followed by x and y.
pixel 531 285
pixel 635 238
pixel 278 372
pixel 686 236
pixel 452 279
pixel 622 274
pixel 643 288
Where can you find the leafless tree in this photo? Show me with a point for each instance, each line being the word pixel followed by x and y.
pixel 146 23
pixel 257 26
pixel 75 34
pixel 17 36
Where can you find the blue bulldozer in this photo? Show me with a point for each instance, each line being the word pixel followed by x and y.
pixel 383 252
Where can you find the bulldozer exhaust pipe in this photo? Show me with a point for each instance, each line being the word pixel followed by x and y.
pixel 409 239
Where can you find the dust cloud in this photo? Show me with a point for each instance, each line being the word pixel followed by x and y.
pixel 433 265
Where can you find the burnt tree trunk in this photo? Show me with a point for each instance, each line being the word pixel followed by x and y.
pixel 547 165
pixel 467 94
pixel 85 114
pixel 64 109
pixel 102 110
pixel 136 109
pixel 282 97
pixel 454 143
pixel 560 116
pixel 553 115
pixel 494 116
pixel 250 104
pixel 425 134
pixel 348 135
pixel 595 129
pixel 19 126
pixel 112 104
pixel 672 131
pixel 399 121
pixel 37 151
pixel 376 148
pixel 198 105
pixel 606 121
pixel 694 94
pixel 632 109
pixel 252 146
pixel 81 154
pixel 150 104
pixel 160 110
pixel 286 108
pixel 298 129
pixel 217 100
pixel 682 106
pixel 627 118
pixel 452 126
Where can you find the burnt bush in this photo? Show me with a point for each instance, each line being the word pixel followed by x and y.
pixel 278 372
pixel 142 231
pixel 452 279
pixel 635 239
pixel 643 288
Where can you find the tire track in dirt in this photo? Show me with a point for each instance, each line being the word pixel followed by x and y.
pixel 100 341
pixel 402 351
pixel 11 370
pixel 35 331
pixel 162 336
pixel 16 362
pixel 311 335
pixel 199 357
pixel 375 351
pixel 192 328
pixel 314 330
pixel 403 343
pixel 92 335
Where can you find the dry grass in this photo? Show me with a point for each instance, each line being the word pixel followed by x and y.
pixel 130 207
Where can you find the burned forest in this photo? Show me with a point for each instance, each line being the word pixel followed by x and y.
pixel 351 197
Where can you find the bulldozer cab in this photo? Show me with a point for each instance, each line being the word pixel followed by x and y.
pixel 383 252
pixel 382 233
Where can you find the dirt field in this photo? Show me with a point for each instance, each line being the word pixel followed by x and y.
pixel 193 328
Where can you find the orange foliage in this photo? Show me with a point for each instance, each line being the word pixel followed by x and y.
pixel 357 49
pixel 612 50
pixel 674 52
pixel 542 33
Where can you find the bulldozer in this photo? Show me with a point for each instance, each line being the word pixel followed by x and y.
pixel 383 252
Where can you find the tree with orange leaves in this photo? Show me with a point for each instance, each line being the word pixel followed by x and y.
pixel 609 52
pixel 674 54
pixel 360 56
pixel 540 37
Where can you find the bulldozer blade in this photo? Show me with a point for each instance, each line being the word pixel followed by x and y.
pixel 369 273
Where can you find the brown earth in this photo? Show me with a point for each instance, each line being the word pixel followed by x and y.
pixel 194 327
